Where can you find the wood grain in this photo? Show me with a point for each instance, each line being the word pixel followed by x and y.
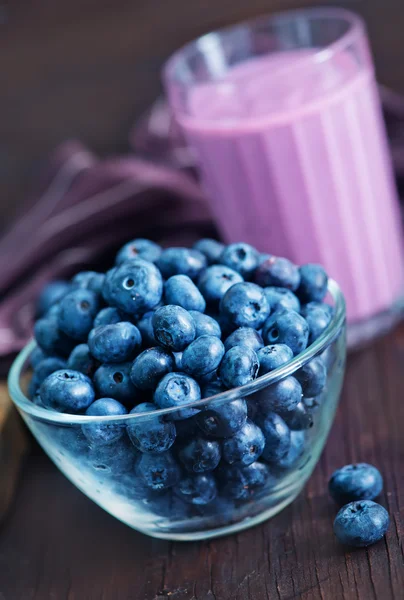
pixel 57 544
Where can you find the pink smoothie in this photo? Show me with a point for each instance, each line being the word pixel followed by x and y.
pixel 294 157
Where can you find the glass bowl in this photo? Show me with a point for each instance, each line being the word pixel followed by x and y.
pixel 234 497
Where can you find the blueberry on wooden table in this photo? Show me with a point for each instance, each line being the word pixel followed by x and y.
pixel 361 523
pixel 359 481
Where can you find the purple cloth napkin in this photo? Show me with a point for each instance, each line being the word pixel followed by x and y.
pixel 85 208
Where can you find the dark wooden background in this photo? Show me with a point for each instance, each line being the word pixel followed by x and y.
pixel 87 69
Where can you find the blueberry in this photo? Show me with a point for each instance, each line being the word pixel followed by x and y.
pixel 139 248
pixel 222 419
pixel 67 391
pixel 312 377
pixel 212 249
pixel 113 381
pixel 150 366
pixel 244 336
pixel 239 366
pixel 273 356
pixel 51 293
pixel 241 257
pixel 173 327
pixel 108 316
pixel 286 327
pixel 205 325
pixel 355 482
pixel 145 326
pixel 46 367
pixel 361 523
pixel 199 455
pixel 175 390
pixel 152 433
pixel 279 272
pixel 279 297
pixel 181 291
pixel 215 281
pixel 36 356
pixel 199 489
pixel 202 356
pixel 134 287
pixel 277 437
pixel 313 283
pixel 115 343
pixel 50 339
pixel 300 418
pixel 318 316
pixel 181 261
pixel 81 360
pixel 104 433
pixel 77 312
pixel 158 471
pixel 245 446
pixel 281 397
pixel 295 453
pixel 89 280
pixel 243 483
pixel 245 305
pixel 115 459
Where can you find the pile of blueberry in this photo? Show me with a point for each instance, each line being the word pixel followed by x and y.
pixel 360 522
pixel 165 328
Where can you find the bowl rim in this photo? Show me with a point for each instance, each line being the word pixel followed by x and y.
pixel 27 407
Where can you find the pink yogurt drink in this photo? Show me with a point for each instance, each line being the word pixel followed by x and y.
pixel 285 120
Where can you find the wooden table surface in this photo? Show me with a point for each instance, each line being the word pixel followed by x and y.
pixel 56 544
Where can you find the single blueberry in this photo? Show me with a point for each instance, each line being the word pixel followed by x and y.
pixel 113 460
pixel 299 418
pixel 245 305
pixel 281 397
pixel 51 294
pixel 355 482
pixel 273 356
pixel 245 446
pixel 173 327
pixel 150 366
pixel 313 283
pixel 145 326
pixel 176 390
pixel 115 343
pixel 67 391
pixel 46 367
pixel 212 249
pixel 77 311
pixel 202 356
pixel 215 281
pixel 113 381
pixel 150 433
pixel 50 339
pixel 222 419
pixel 279 297
pixel 81 360
pixel 361 523
pixel 312 377
pixel 134 287
pixel 239 366
pixel 181 261
pixel 241 257
pixel 277 437
pixel 286 327
pixel 279 272
pixel 104 433
pixel 199 489
pixel 139 248
pixel 181 291
pixel 158 471
pixel 89 280
pixel 37 355
pixel 243 483
pixel 108 316
pixel 205 325
pixel 318 316
pixel 244 336
pixel 199 455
